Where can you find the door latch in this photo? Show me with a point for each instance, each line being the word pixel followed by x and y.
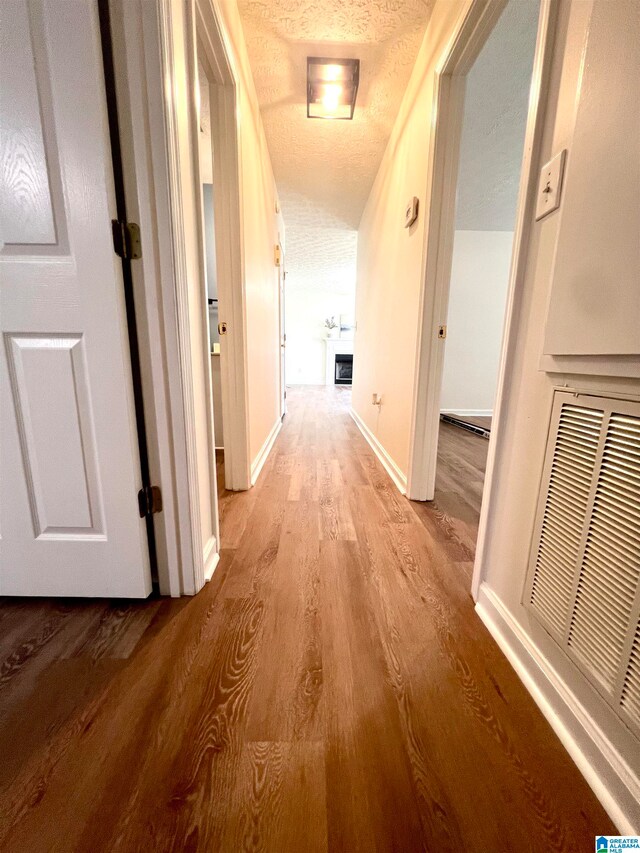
pixel 222 328
pixel 442 332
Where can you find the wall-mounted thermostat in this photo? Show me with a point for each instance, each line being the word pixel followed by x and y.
pixel 411 212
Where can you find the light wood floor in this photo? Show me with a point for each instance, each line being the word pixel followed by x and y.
pixel 330 689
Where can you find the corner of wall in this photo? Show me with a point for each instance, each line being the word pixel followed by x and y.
pixel 605 769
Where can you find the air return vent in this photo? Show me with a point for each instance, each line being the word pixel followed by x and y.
pixel 584 580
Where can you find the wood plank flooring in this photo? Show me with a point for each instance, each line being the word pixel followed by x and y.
pixel 478 420
pixel 330 689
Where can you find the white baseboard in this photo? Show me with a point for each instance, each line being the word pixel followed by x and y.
pixel 263 453
pixel 470 413
pixel 612 780
pixel 211 558
pixel 398 477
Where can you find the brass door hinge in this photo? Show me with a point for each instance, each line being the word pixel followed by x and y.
pixel 442 332
pixel 277 255
pixel 126 239
pixel 149 501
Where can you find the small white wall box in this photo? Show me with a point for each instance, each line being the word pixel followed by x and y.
pixel 411 212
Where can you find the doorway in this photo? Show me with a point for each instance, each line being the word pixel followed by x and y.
pixel 210 302
pixel 282 278
pixel 217 179
pixel 486 137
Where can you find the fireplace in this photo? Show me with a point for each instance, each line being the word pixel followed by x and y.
pixel 338 363
pixel 343 368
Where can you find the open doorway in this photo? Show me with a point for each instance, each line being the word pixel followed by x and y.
pixel 282 329
pixel 488 127
pixel 489 168
pixel 215 135
pixel 207 190
pixel 320 306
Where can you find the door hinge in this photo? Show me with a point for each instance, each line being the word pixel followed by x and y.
pixel 442 332
pixel 149 501
pixel 276 254
pixel 126 239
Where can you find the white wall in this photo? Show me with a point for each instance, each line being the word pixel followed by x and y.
pixel 527 404
pixel 389 266
pixel 262 230
pixel 390 257
pixel 477 299
pixel 305 313
pixel 261 227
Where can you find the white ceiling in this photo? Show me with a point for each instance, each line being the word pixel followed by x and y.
pixel 496 101
pixel 321 258
pixel 324 169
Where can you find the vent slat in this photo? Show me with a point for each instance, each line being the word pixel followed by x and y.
pixel 610 535
pixel 565 571
pixel 621 485
pixel 571 465
pixel 628 502
pixel 626 472
pixel 592 500
pixel 564 575
pixel 630 699
pixel 558 548
pixel 608 517
pixel 557 519
pixel 568 487
pixel 609 568
pixel 567 496
pixel 611 565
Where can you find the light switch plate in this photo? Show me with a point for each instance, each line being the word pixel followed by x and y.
pixel 411 212
pixel 550 185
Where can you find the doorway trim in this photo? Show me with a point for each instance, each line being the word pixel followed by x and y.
pixel 474 27
pixel 227 199
pixel 282 331
pixel 155 45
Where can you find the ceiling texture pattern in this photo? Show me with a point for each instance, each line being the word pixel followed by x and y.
pixel 324 169
pixel 495 117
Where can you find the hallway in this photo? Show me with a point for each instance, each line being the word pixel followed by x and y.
pixel 330 689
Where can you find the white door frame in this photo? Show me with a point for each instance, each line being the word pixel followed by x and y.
pixel 282 281
pixel 470 36
pixel 227 183
pixel 150 71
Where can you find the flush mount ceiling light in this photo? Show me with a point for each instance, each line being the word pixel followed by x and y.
pixel 332 86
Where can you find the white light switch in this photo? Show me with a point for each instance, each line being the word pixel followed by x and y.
pixel 550 186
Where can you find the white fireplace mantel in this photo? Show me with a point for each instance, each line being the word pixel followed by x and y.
pixel 334 346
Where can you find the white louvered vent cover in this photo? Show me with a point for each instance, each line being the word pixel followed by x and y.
pixel 584 579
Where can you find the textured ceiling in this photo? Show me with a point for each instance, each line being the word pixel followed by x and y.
pixel 324 169
pixel 495 115
pixel 321 258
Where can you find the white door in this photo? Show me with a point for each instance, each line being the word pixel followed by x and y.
pixel 283 336
pixel 69 465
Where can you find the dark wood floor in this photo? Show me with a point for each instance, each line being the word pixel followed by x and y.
pixel 477 420
pixel 330 689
